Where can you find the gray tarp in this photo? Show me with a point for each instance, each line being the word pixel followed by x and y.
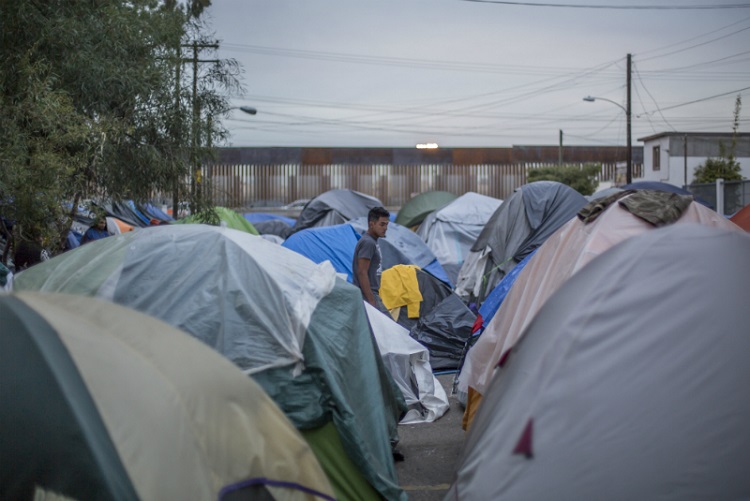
pixel 335 207
pixel 628 384
pixel 520 225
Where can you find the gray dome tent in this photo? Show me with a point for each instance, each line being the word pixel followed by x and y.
pixel 628 384
pixel 515 229
pixel 335 207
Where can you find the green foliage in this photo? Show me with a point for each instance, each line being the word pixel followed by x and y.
pixel 97 101
pixel 725 167
pixel 715 168
pixel 583 179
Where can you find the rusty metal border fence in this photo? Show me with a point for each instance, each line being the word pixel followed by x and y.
pixel 247 186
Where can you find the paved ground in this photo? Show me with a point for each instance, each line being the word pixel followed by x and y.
pixel 431 451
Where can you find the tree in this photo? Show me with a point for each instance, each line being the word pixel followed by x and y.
pixel 583 179
pixel 93 105
pixel 725 166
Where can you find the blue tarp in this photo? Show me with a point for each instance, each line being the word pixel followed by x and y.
pixel 157 213
pixel 259 217
pixel 326 243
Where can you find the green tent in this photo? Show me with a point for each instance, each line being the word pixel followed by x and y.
pixel 413 212
pixel 227 219
pixel 102 402
pixel 297 329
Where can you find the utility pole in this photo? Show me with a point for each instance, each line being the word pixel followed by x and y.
pixel 684 157
pixel 178 73
pixel 629 171
pixel 195 169
pixel 560 155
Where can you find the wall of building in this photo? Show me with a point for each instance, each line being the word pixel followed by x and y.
pixel 675 160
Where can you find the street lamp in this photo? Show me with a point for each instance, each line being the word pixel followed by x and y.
pixel 629 153
pixel 248 109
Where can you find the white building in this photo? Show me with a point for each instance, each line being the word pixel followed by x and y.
pixel 671 157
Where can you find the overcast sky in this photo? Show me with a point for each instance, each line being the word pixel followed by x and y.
pixel 472 73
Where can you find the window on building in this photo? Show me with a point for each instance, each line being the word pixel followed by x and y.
pixel 657 158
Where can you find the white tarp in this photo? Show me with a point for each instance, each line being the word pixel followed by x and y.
pixel 629 384
pixel 409 364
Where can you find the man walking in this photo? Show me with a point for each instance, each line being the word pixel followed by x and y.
pixel 367 261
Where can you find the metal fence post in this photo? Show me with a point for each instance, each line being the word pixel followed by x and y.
pixel 720 196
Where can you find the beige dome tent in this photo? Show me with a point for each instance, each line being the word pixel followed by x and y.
pixel 560 257
pixel 102 402
pixel 630 382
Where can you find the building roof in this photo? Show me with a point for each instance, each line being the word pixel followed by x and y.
pixel 693 134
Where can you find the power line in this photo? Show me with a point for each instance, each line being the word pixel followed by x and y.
pixel 696 45
pixel 397 61
pixel 618 7
pixel 700 100
pixel 695 37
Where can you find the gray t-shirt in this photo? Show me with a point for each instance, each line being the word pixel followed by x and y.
pixel 368 248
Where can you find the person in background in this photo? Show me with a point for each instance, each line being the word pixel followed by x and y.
pixel 366 265
pixel 96 231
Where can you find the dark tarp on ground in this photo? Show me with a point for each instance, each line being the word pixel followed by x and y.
pixel 444 322
pixel 335 207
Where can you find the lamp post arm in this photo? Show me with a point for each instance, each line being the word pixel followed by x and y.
pixel 591 99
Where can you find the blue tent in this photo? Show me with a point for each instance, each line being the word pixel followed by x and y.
pixel 403 246
pixel 336 244
pixel 326 243
pixel 497 296
pixel 260 217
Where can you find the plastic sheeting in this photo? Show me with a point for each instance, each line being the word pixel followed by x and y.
pixel 628 384
pixel 444 322
pixel 345 380
pixel 335 207
pixel 409 364
pixel 451 231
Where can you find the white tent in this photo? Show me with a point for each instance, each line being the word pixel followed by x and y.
pixel 630 383
pixel 451 231
pixel 409 363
